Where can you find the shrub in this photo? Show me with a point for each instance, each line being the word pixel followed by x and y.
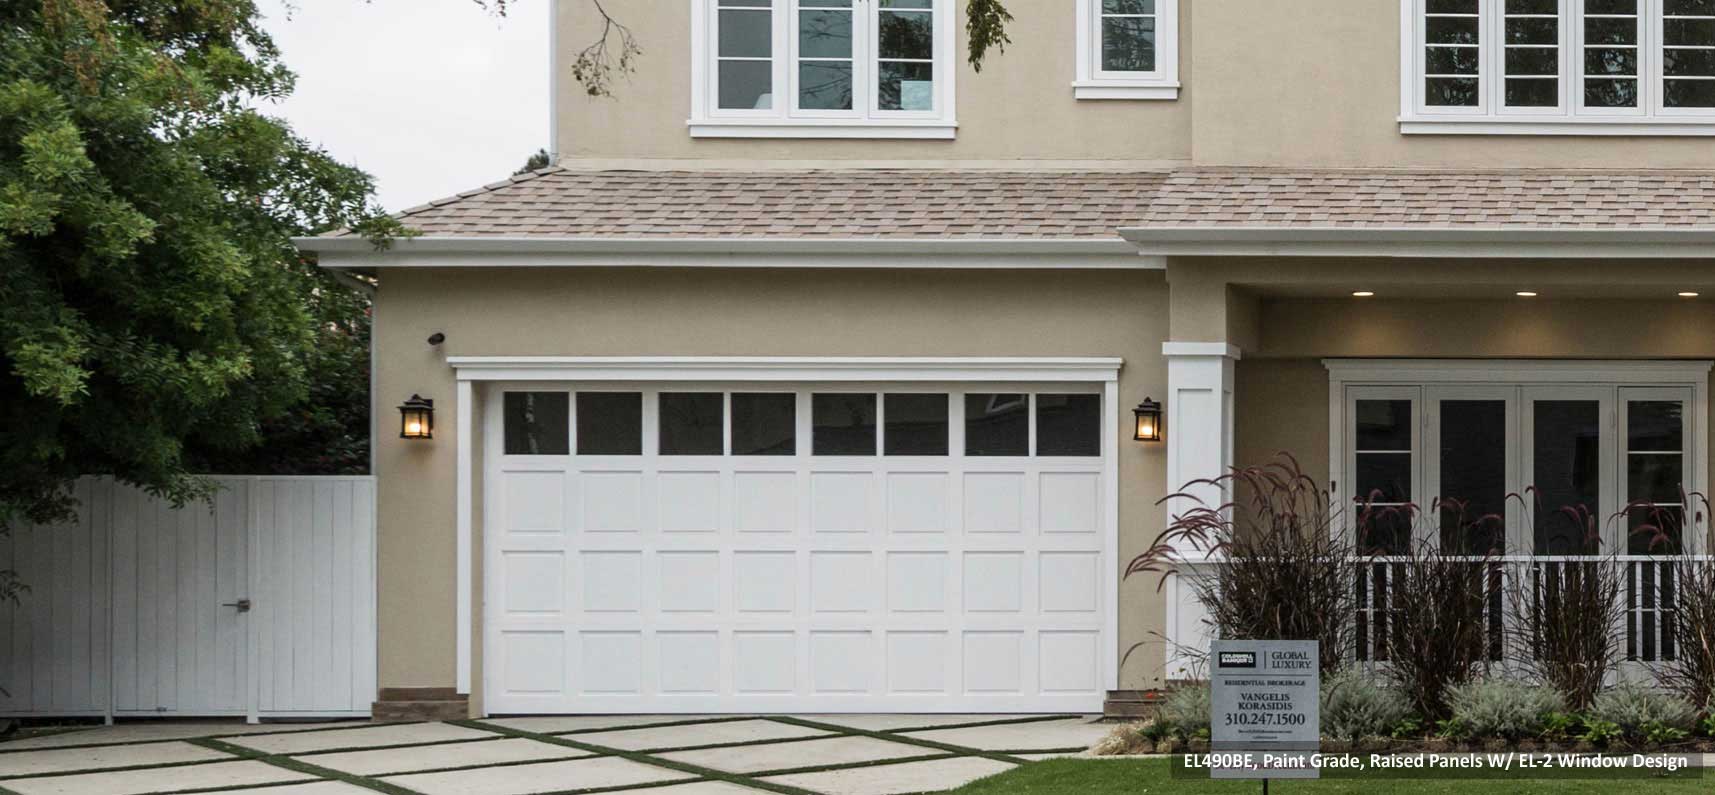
pixel 1632 707
pixel 1131 738
pixel 1691 672
pixel 1356 706
pixel 1500 708
pixel 1440 635
pixel 1287 573
pixel 1186 711
pixel 1563 632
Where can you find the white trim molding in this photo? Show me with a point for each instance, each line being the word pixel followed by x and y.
pixel 1477 241
pixel 1092 82
pixel 357 253
pixel 782 368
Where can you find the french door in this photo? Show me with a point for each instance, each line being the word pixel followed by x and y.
pixel 1541 469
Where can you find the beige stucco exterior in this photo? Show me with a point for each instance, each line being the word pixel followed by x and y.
pixel 1265 83
pixel 709 312
pixel 1307 83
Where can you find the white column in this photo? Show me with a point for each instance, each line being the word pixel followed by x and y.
pixel 1199 437
pixel 464 522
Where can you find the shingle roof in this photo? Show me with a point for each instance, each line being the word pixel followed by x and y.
pixel 1396 198
pixel 871 203
pixel 1054 205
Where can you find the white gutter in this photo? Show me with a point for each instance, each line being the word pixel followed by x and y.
pixel 1499 242
pixel 714 245
pixel 537 252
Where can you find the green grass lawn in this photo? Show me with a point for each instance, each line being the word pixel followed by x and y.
pixel 1141 776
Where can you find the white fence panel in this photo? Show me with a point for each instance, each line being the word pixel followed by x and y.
pixel 54 644
pixel 315 596
pixel 179 639
pixel 260 602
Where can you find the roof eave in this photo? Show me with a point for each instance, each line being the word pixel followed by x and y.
pixel 1443 241
pixel 475 244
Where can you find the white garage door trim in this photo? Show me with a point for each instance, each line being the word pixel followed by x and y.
pixel 1099 374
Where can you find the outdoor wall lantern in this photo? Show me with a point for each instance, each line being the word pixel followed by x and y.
pixel 1148 421
pixel 417 418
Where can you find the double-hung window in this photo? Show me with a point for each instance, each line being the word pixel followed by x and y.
pixel 1571 67
pixel 1127 49
pixel 822 69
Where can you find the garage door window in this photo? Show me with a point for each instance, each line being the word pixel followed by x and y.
pixel 844 423
pixel 997 424
pixel 692 423
pixel 610 423
pixel 537 423
pixel 916 424
pixel 1068 425
pixel 764 423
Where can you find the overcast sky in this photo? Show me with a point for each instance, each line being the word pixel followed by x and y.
pixel 431 96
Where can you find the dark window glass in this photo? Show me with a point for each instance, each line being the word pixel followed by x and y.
pixel 1069 425
pixel 537 423
pixel 1451 91
pixel 1567 440
pixel 1655 425
pixel 997 425
pixel 843 424
pixel 1473 476
pixel 764 423
pixel 610 423
pixel 916 425
pixel 691 423
pixel 1383 478
pixel 1384 425
pixel 1384 530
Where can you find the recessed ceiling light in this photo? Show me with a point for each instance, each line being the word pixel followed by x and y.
pixel 1526 294
pixel 1362 294
pixel 1687 294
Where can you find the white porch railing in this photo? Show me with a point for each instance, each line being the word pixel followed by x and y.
pixel 1521 585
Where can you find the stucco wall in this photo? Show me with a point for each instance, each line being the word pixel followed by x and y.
pixel 1020 106
pixel 1267 83
pixel 695 312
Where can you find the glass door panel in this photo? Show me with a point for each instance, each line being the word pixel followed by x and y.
pixel 1471 440
pixel 1384 467
pixel 1656 469
pixel 1566 456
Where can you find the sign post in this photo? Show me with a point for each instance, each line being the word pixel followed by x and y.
pixel 1265 709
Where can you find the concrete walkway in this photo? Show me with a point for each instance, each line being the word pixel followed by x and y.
pixel 666 754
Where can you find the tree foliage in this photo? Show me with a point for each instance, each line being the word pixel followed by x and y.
pixel 153 311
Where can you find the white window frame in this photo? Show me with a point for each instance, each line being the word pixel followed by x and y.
pixel 1095 83
pixel 1491 117
pixel 1426 382
pixel 785 120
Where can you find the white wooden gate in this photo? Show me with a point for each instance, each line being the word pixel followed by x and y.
pixel 259 603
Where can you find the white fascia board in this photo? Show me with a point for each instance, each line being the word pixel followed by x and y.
pixel 784 368
pixel 1517 371
pixel 1496 242
pixel 454 252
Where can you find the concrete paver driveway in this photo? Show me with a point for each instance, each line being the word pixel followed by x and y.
pixel 665 754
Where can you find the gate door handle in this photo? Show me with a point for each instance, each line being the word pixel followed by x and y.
pixel 243 605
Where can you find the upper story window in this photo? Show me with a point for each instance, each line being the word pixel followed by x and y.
pixel 822 69
pixel 1579 67
pixel 1128 49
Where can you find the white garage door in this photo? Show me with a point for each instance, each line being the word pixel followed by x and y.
pixel 709 547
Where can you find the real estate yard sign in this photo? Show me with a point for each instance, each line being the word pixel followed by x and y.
pixel 1265 720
